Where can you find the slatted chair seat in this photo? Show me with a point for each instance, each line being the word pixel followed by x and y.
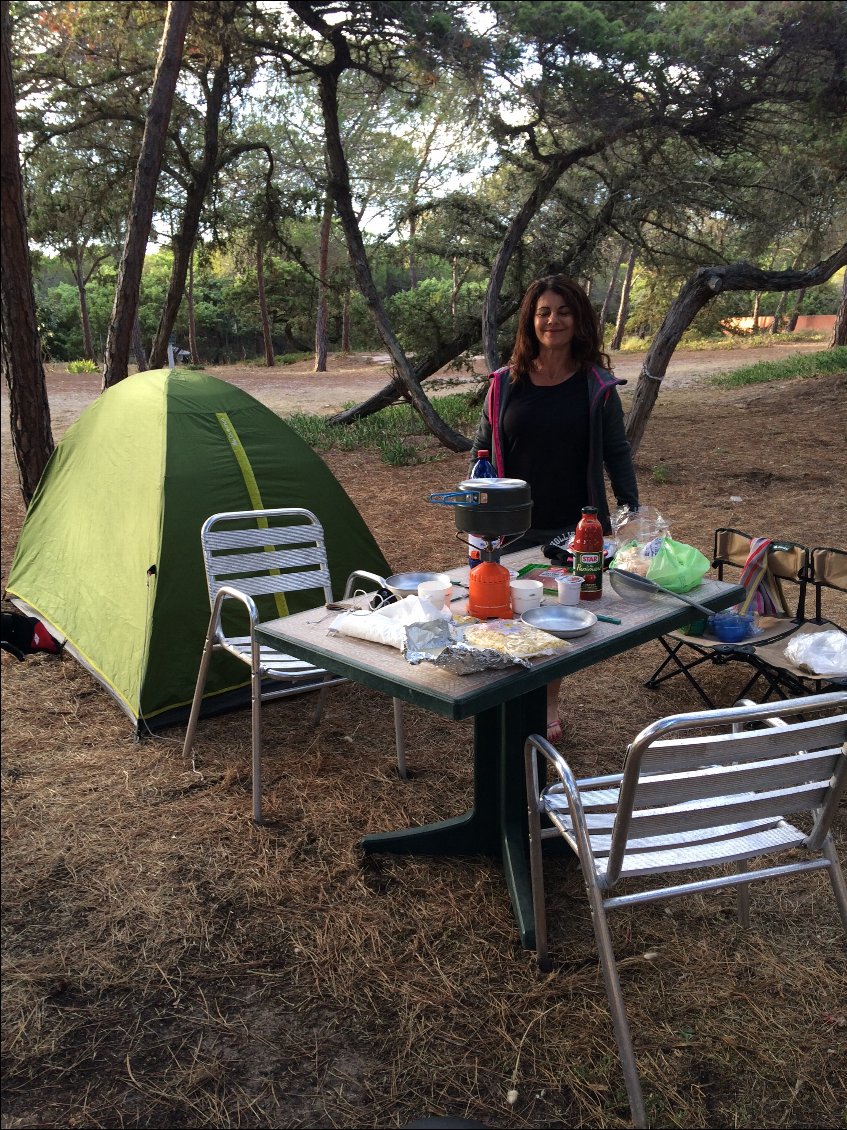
pixel 709 793
pixel 260 556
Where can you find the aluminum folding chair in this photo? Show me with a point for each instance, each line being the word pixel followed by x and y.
pixel 707 792
pixel 784 564
pixel 260 555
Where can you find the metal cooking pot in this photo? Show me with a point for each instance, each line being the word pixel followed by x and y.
pixel 490 508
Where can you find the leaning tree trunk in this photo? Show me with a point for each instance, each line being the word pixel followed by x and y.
pixel 701 288
pixel 193 347
pixel 138 346
pixel 144 192
pixel 20 348
pixel 78 272
pixel 623 308
pixel 795 313
pixel 610 292
pixel 267 338
pixel 341 191
pixel 322 319
pixel 839 330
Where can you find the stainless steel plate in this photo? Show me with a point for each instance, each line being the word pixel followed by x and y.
pixel 559 620
pixel 406 584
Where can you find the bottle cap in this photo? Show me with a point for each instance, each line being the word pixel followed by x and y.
pixel 589 509
pixel 482 453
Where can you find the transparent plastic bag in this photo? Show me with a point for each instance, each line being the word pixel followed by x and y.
pixel 639 535
pixel 820 653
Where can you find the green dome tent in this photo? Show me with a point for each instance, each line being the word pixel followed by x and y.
pixel 109 556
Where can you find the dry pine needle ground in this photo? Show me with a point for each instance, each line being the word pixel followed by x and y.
pixel 165 963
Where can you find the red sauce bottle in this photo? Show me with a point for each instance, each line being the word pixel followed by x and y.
pixel 587 549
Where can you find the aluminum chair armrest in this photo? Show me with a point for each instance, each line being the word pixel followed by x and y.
pixel 535 743
pixel 227 592
pixel 365 575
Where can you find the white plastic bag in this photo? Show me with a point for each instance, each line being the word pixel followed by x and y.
pixel 819 653
pixel 388 624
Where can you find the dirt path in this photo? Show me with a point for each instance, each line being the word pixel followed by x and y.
pixel 295 388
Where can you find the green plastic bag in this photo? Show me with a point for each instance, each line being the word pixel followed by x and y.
pixel 677 566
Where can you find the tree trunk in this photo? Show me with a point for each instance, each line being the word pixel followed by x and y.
pixel 425 368
pixel 138 346
pixel 623 308
pixel 323 302
pixel 413 264
pixel 757 299
pixel 186 240
pixel 192 314
pixel 613 282
pixel 20 349
pixel 341 191
pixel 144 192
pixel 777 314
pixel 85 320
pixel 700 289
pixel 839 330
pixel 345 323
pixel 267 338
pixel 795 313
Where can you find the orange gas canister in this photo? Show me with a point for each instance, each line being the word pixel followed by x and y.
pixel 587 548
pixel 489 595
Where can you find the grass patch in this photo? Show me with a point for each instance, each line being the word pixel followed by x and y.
pixel 806 365
pixel 732 341
pixel 387 432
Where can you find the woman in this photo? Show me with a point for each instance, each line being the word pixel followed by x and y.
pixel 553 417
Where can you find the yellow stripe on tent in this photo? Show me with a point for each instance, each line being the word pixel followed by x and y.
pixel 252 490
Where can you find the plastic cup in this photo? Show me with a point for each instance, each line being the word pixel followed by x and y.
pixel 526 594
pixel 569 589
pixel 435 592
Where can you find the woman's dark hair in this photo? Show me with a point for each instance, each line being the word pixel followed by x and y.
pixel 586 346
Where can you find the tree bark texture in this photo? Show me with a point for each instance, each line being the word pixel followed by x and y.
pixel 322 318
pixel 795 313
pixel 20 348
pixel 610 293
pixel 79 276
pixel 623 308
pixel 700 289
pixel 267 337
pixel 138 346
pixel 340 186
pixel 185 241
pixel 144 192
pixel 839 330
pixel 194 348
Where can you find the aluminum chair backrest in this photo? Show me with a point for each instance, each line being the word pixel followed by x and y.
pixel 723 778
pixel 265 552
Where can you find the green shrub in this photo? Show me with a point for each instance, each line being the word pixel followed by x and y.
pixel 82 366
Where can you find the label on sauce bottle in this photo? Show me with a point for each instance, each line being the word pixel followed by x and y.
pixel 588 564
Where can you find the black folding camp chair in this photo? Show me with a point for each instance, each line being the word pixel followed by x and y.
pixel 687 649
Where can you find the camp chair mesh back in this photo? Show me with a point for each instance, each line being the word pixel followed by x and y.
pixel 827 575
pixel 698 792
pixel 250 555
pixel 786 575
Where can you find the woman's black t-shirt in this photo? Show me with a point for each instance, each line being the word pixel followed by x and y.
pixel 547 439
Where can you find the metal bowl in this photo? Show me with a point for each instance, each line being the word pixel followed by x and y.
pixel 631 586
pixel 406 584
pixel 560 620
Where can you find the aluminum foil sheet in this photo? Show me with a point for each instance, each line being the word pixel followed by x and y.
pixel 436 643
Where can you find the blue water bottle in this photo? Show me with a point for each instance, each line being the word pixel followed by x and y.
pixel 482 469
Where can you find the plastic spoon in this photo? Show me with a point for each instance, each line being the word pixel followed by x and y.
pixel 637 582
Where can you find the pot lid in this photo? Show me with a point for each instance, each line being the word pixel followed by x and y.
pixel 492 484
